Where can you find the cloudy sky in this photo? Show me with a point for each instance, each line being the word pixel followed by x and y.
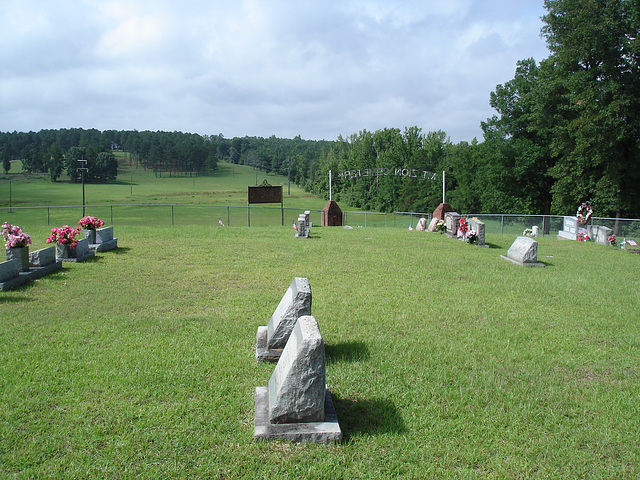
pixel 313 68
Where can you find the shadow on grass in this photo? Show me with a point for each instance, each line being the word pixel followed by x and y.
pixel 14 299
pixel 347 352
pixel 117 251
pixel 367 417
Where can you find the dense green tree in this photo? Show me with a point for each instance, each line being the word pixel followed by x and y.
pixel 594 72
pixel 521 159
pixel 6 160
pixel 56 162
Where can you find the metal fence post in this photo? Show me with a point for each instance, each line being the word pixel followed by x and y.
pixel 171 215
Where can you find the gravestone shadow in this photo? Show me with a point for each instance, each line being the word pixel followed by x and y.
pixel 368 417
pixel 346 352
pixel 118 251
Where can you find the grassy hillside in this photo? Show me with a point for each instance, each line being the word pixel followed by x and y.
pixel 444 360
pixel 138 186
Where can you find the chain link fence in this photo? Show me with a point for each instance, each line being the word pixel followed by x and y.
pixel 242 216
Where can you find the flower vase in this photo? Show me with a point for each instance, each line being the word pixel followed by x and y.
pixel 64 251
pixel 22 254
pixel 90 233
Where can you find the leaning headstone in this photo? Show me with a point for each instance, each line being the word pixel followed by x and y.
pixel 302 231
pixel 432 225
pixel 272 338
pixel 296 405
pixel 599 234
pixel 524 251
pixel 478 226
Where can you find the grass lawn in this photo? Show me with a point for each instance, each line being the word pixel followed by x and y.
pixel 444 360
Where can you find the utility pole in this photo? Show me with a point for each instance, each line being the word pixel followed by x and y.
pixel 82 170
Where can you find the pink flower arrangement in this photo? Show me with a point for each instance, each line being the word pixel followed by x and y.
pixel 90 222
pixel 14 236
pixel 64 235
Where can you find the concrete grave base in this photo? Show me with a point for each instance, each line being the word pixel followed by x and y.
pixel 21 279
pixel 524 264
pixel 327 431
pixel 37 272
pixel 104 246
pixel 264 354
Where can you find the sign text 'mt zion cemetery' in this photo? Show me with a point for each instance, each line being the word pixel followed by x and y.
pixel 383 172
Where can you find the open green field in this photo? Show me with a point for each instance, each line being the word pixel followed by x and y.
pixel 444 360
pixel 139 186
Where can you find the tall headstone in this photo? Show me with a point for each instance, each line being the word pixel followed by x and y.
pixel 524 251
pixel 331 215
pixel 272 338
pixel 441 210
pixel 307 217
pixel 302 231
pixel 296 405
pixel 478 226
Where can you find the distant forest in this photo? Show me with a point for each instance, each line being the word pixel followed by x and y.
pixel 566 131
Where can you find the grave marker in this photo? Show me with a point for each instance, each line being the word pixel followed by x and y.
pixel 297 405
pixel 272 338
pixel 524 251
pixel 478 226
pixel 599 234
pixel 302 231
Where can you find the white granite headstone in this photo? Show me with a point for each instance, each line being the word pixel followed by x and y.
pixel 297 386
pixel 524 251
pixel 296 302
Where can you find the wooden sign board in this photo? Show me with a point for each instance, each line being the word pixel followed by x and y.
pixel 265 194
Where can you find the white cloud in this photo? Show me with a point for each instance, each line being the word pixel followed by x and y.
pixel 318 69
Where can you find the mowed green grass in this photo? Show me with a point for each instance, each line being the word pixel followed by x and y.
pixel 444 360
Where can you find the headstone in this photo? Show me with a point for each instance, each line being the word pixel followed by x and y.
pixel 599 234
pixel 302 231
pixel 570 228
pixel 534 230
pixel 42 257
pixel 451 220
pixel 441 210
pixel 10 269
pixel 478 226
pixel 307 216
pixel 331 215
pixel 104 240
pixel 272 338
pixel 296 405
pixel 81 252
pixel 43 261
pixel 432 225
pixel 104 234
pixel 524 251
pixel 11 275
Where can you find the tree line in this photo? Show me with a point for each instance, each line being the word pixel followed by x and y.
pixel 566 131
